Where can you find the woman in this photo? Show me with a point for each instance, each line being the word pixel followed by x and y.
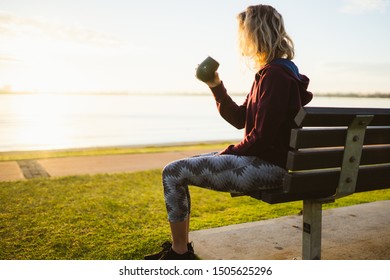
pixel 258 161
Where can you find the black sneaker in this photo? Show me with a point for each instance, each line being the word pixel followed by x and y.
pixel 166 246
pixel 172 255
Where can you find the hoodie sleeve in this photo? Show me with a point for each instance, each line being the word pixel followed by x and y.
pixel 228 109
pixel 271 109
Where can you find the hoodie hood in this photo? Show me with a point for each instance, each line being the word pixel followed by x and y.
pixel 303 80
pixel 288 64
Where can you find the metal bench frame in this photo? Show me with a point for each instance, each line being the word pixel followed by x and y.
pixel 312 209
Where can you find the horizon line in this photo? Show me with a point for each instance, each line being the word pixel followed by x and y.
pixel 175 93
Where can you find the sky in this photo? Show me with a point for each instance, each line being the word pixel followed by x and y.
pixel 155 46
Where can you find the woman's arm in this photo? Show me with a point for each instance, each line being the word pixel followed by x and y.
pixel 228 109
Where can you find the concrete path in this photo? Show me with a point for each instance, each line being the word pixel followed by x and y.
pixel 359 232
pixel 53 167
pixel 10 171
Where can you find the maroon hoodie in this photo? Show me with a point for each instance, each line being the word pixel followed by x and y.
pixel 268 112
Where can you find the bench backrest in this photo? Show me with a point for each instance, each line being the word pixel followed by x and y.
pixel 336 152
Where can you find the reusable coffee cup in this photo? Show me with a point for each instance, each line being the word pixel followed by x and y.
pixel 206 70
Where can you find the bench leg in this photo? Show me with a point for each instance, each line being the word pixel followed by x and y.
pixel 312 223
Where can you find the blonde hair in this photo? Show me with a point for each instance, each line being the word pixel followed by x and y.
pixel 262 36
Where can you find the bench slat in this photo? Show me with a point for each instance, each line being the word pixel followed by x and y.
pixel 334 137
pixel 370 178
pixel 312 190
pixel 273 197
pixel 331 158
pixel 326 116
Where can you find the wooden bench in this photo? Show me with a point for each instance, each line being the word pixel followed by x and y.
pixel 334 152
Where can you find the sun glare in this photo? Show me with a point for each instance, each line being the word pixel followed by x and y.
pixel 48 62
pixel 41 65
pixel 44 55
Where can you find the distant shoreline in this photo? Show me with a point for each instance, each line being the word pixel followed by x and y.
pixel 354 95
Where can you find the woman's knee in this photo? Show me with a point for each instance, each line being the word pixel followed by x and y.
pixel 172 177
pixel 169 170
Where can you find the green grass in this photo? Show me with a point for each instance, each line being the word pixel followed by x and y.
pixel 12 156
pixel 120 216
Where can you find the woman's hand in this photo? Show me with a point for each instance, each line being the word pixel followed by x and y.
pixel 214 82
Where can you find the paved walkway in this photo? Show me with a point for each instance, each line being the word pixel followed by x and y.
pixel 54 167
pixel 360 232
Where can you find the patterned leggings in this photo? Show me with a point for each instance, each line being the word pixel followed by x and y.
pixel 227 173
